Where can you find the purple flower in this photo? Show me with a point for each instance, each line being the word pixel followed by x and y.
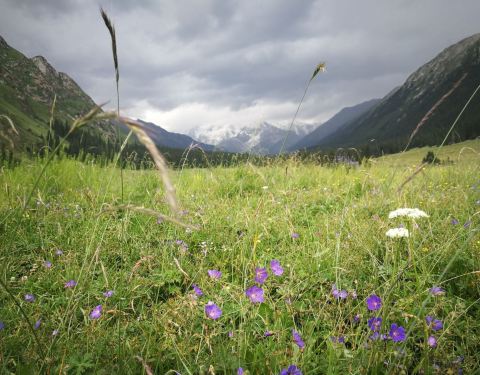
pixel 375 323
pixel 377 336
pixel 29 297
pixel 96 312
pixel 240 371
pixel 467 224
pixel 298 340
pixel 58 252
pixel 437 291
pixel 255 294
pixel 160 220
pixel 212 311
pixel 432 342
pixel 397 333
pixel 343 294
pixel 197 290
pixel 37 324
pixel 47 264
pixel 214 274
pixel 108 293
pixel 339 294
pixel 434 324
pixel 267 334
pixel 230 334
pixel 454 221
pixel 356 318
pixel 276 268
pixel 353 294
pixel 337 340
pixel 374 302
pixel 2 325
pixel 260 275
pixel 291 370
pixel 295 235
pixel 70 284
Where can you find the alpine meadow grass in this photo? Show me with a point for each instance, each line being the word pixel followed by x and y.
pixel 288 271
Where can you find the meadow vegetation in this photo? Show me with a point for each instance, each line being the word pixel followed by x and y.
pixel 89 288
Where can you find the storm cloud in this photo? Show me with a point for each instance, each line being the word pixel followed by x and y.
pixel 208 62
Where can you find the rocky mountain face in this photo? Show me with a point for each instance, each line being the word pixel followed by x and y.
pixel 261 139
pixel 391 122
pixel 342 118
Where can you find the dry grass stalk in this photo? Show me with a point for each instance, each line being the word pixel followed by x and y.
pixel 177 263
pixel 12 126
pixel 435 106
pixel 412 176
pixel 159 160
pixel 138 264
pixel 146 367
pixel 150 212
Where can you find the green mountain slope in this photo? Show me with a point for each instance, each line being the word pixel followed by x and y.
pixel 392 121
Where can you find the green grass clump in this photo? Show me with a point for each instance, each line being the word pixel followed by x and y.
pixel 247 216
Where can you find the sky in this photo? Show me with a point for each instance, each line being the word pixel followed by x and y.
pixel 186 64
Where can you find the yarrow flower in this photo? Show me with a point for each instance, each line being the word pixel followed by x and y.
pixel 197 290
pixel 375 323
pixel 432 341
pixel 397 233
pixel 291 370
pixel 434 324
pixel 96 312
pixel 409 212
pixel 214 274
pixel 108 293
pixel 255 294
pixel 29 297
pixel 397 333
pixel 374 302
pixel 298 339
pixel 276 268
pixel 70 284
pixel 437 291
pixel 212 311
pixel 261 275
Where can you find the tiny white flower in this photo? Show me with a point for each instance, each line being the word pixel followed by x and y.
pixel 409 212
pixel 265 187
pixel 397 232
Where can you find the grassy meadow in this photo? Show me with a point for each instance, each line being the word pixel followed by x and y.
pixel 87 288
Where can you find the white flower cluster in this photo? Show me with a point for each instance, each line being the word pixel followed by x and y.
pixel 397 232
pixel 409 212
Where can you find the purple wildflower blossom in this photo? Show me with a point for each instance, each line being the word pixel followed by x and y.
pixel 295 235
pixel 434 324
pixel 212 310
pixel 291 370
pixel 240 371
pixel 37 324
pixel 108 293
pixel 58 252
pixel 276 268
pixel 337 340
pixel 47 264
pixel 214 274
pixel 160 220
pixel 353 294
pixel 437 291
pixel 454 221
pixel 255 294
pixel 432 342
pixel 2 325
pixel 377 336
pixel 356 318
pixel 197 290
pixel 374 302
pixel 397 333
pixel 260 275
pixel 29 297
pixel 70 284
pixel 267 334
pixel 343 294
pixel 467 224
pixel 96 312
pixel 298 339
pixel 230 334
pixel 375 323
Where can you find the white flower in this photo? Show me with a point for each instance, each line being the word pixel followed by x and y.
pixel 410 212
pixel 397 232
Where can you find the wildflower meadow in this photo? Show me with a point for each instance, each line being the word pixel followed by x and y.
pixel 291 268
